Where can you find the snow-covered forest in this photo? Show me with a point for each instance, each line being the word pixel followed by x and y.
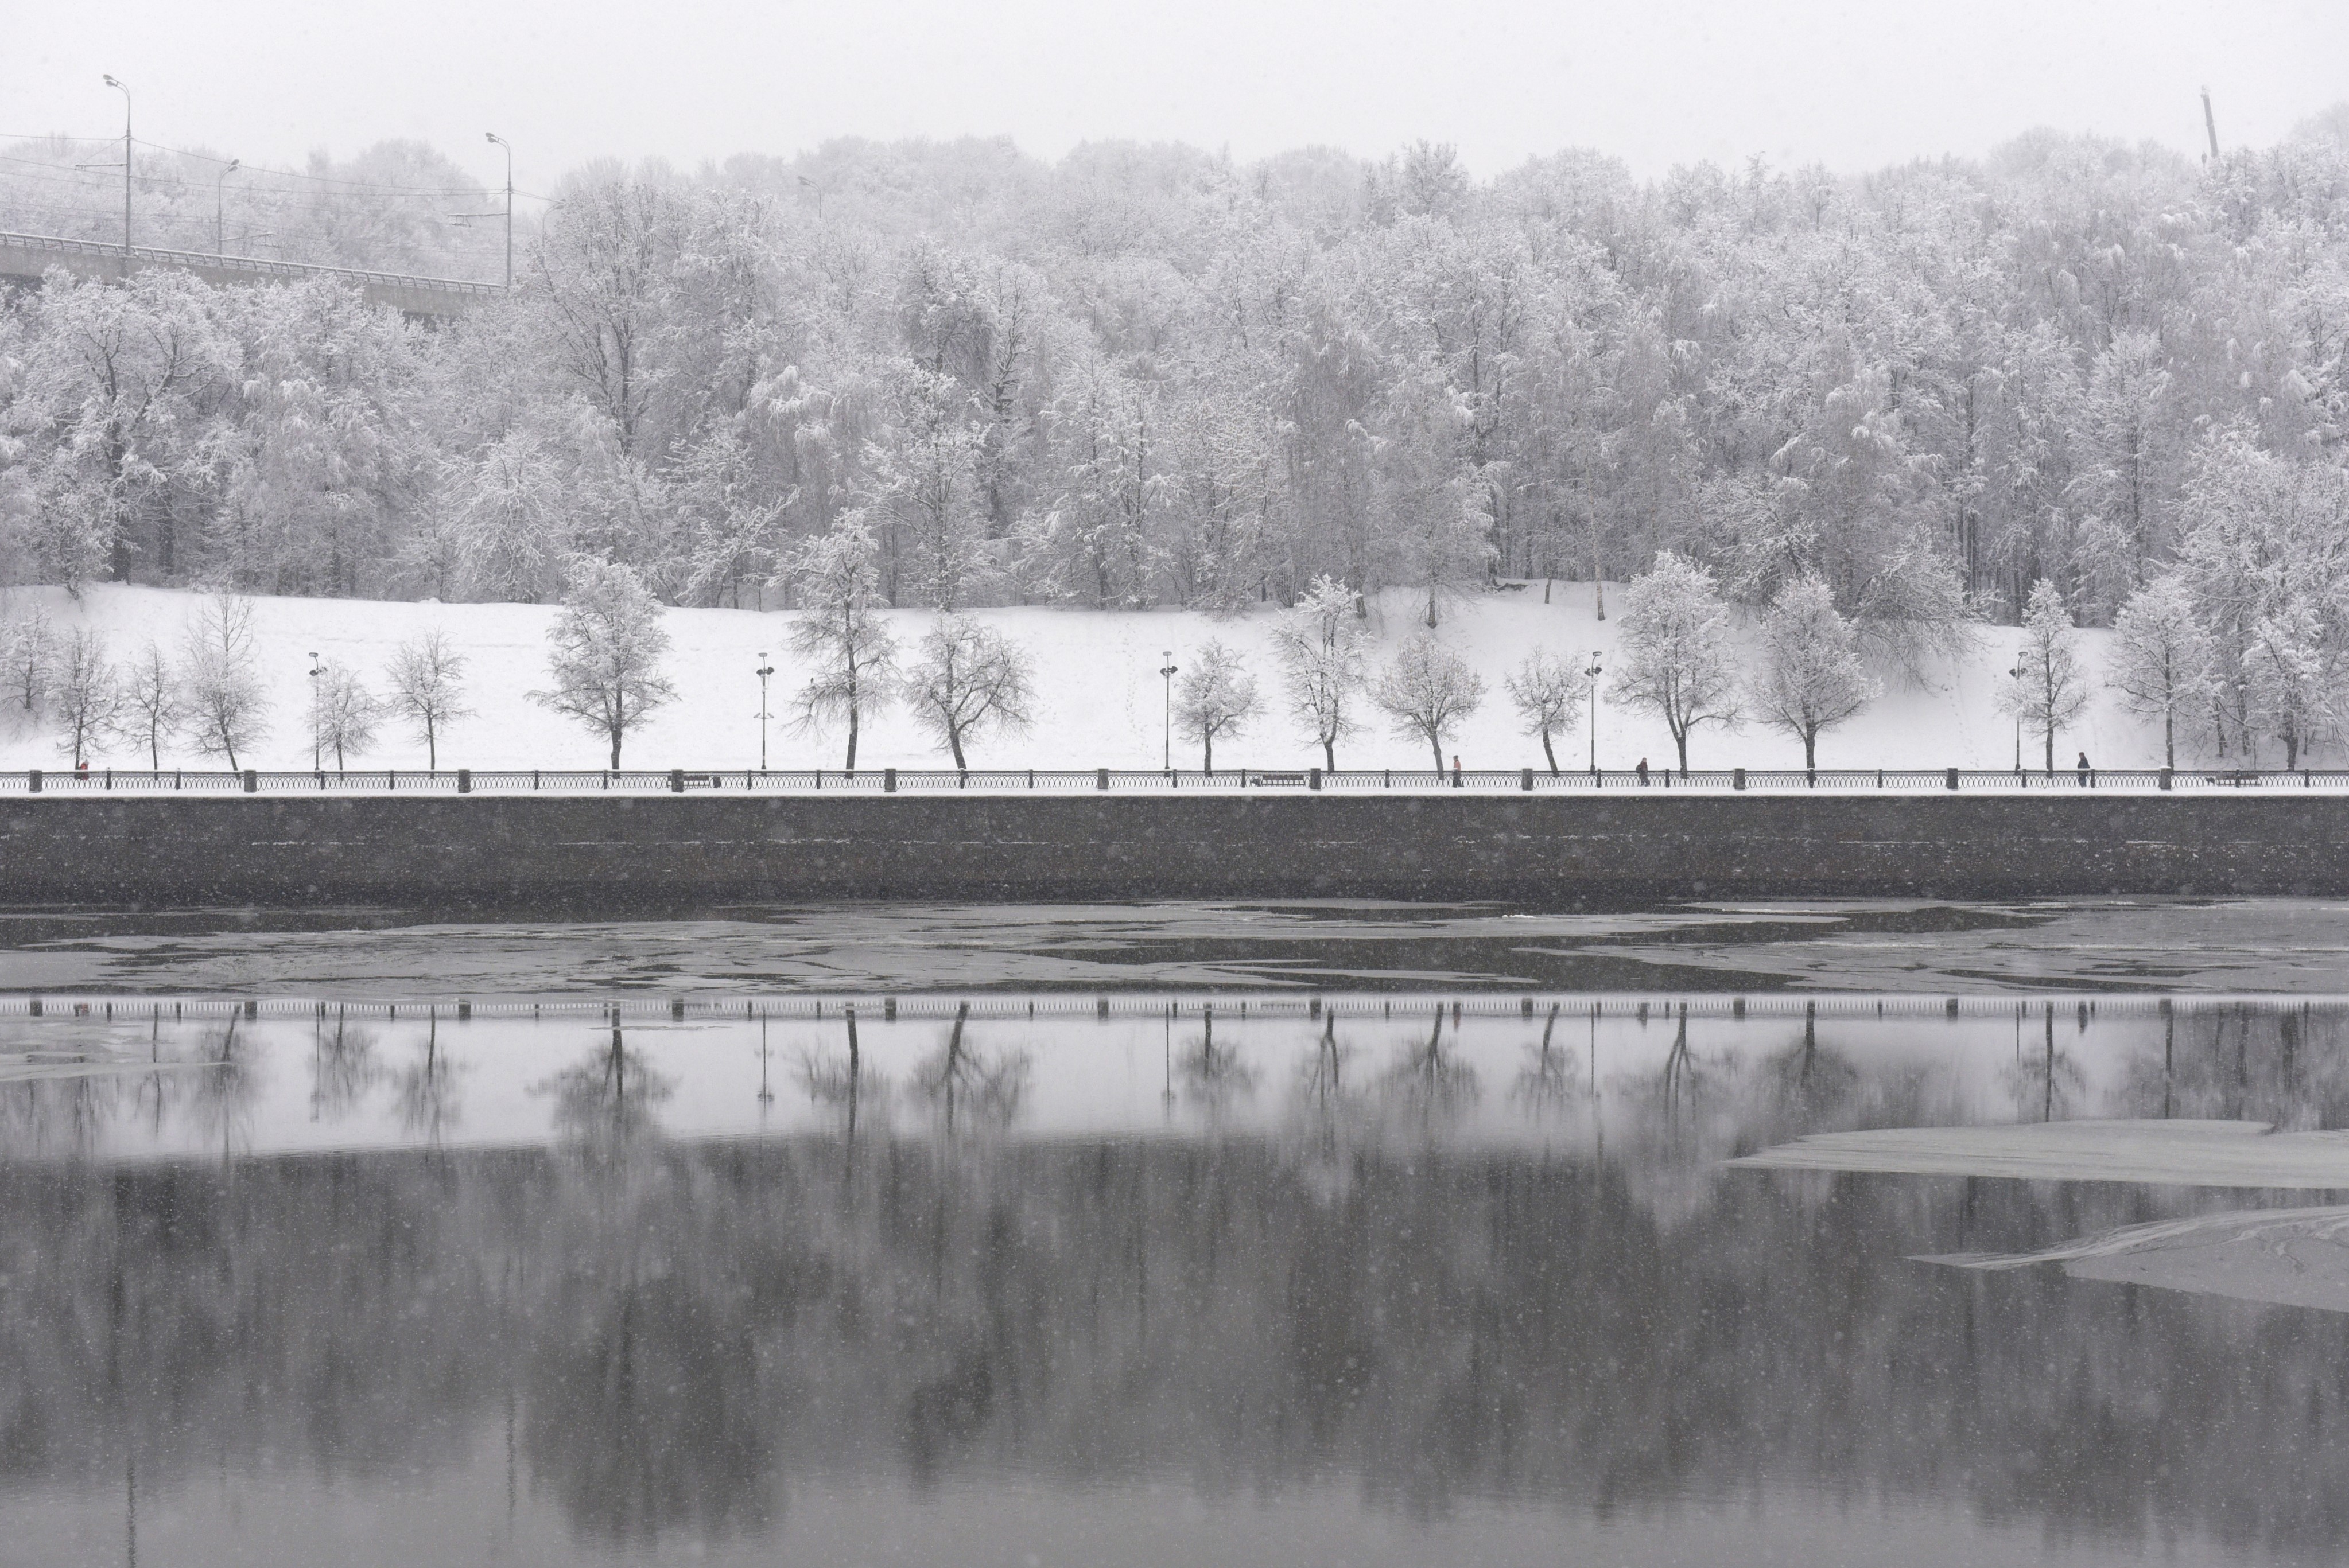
pixel 1151 377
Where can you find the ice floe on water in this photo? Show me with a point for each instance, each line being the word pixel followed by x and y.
pixel 2290 1257
pixel 2182 1153
pixel 43 1067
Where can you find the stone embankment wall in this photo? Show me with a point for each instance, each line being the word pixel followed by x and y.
pixel 648 854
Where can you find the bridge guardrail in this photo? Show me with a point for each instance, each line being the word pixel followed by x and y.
pixel 397 782
pixel 258 266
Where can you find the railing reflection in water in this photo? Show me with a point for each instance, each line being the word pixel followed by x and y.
pixel 688 1272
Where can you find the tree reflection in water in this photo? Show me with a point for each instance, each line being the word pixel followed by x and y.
pixel 428 1088
pixel 840 1085
pixel 1214 1080
pixel 606 1099
pixel 2044 1084
pixel 343 1066
pixel 1365 1301
pixel 983 1087
pixel 1427 1082
pixel 685 1330
pixel 1812 1081
pixel 1548 1081
pixel 219 1098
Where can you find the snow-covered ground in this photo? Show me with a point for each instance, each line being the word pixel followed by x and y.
pixel 1100 696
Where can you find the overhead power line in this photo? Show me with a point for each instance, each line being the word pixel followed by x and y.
pixel 323 178
pixel 334 179
pixel 63 177
pixel 250 194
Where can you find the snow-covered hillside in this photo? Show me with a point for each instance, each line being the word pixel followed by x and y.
pixel 1100 696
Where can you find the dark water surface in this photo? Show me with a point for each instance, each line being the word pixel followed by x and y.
pixel 1003 1277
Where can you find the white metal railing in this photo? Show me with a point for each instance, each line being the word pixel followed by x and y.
pixel 1483 1002
pixel 82 783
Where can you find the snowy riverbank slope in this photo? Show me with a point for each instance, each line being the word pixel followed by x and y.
pixel 1099 692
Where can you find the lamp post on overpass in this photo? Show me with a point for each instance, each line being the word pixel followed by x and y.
pixel 502 142
pixel 1166 759
pixel 219 180
pixel 124 91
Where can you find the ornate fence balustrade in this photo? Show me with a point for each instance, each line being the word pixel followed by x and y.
pixel 73 784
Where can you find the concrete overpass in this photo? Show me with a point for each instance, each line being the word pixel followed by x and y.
pixel 25 257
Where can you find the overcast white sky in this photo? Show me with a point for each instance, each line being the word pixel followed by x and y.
pixel 1655 82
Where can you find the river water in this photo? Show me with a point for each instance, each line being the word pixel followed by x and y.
pixel 344 1261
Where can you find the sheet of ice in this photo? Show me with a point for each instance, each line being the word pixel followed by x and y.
pixel 35 1067
pixel 2044 951
pixel 2178 1154
pixel 2288 1257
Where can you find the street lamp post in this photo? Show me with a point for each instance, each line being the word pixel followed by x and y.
pixel 501 140
pixel 2017 672
pixel 1167 757
pixel 124 91
pixel 317 715
pixel 219 228
pixel 1593 672
pixel 765 670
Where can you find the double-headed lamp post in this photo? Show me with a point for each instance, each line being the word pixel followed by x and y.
pixel 502 142
pixel 124 91
pixel 765 671
pixel 1593 673
pixel 317 713
pixel 219 182
pixel 1168 752
pixel 2016 673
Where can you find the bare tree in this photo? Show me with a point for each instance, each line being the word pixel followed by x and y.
pixel 1811 677
pixel 2295 687
pixel 2161 658
pixel 83 694
pixel 839 629
pixel 1217 696
pixel 28 647
pixel 970 678
pixel 607 649
pixel 348 713
pixel 1677 661
pixel 151 704
pixel 427 689
pixel 1547 691
pixel 1320 643
pixel 1428 690
pixel 2051 692
pixel 218 680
